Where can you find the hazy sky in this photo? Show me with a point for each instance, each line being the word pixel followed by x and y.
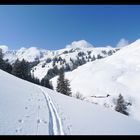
pixel 55 26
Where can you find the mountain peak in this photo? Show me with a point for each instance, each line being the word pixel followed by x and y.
pixel 80 44
pixel 29 54
pixel 4 48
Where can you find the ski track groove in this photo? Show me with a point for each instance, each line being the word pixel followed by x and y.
pixel 55 127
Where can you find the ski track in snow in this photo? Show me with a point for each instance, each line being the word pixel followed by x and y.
pixel 55 124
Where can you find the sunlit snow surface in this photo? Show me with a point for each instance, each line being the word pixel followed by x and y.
pixel 28 109
pixel 119 73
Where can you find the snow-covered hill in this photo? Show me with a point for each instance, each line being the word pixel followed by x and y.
pixel 73 55
pixel 119 73
pixel 28 109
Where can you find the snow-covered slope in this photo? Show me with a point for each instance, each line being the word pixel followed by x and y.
pixel 119 73
pixel 28 109
pixel 73 55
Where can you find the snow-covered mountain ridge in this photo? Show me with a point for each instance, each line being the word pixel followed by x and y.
pixel 72 56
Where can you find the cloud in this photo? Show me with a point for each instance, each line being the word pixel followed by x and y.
pixel 4 48
pixel 122 43
pixel 79 44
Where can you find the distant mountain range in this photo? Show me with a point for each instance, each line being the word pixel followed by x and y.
pixel 71 57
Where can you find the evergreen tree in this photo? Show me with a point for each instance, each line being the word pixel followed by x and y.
pixel 63 85
pixel 99 56
pixel 25 69
pixel 7 67
pixel 17 69
pixel 36 81
pixel 4 65
pixel 52 72
pixel 67 87
pixel 121 105
pixel 21 69
pixel 42 82
pixel 1 54
pixel 110 52
pixel 46 83
pixel 60 83
pixel 1 59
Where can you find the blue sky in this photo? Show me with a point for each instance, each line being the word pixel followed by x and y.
pixel 55 26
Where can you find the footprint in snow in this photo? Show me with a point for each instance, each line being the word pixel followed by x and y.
pixel 38 121
pixel 18 130
pixel 69 126
pixel 20 121
pixel 45 121
pixel 26 107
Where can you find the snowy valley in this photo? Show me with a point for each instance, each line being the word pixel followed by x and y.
pixel 97 74
pixel 69 69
